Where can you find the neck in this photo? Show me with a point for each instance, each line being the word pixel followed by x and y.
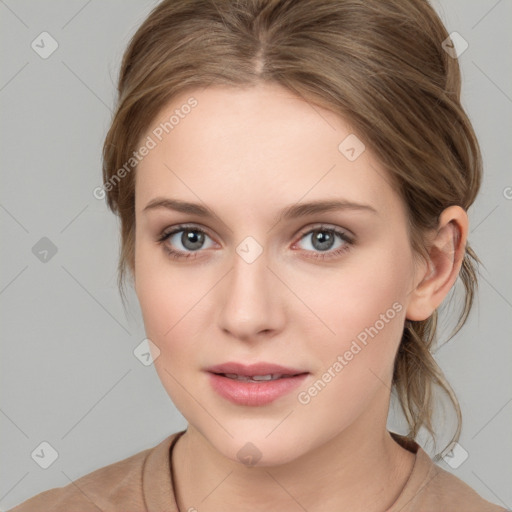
pixel 360 469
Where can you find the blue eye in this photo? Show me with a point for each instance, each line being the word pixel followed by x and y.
pixel 192 240
pixel 322 240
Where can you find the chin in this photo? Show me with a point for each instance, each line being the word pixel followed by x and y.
pixel 253 447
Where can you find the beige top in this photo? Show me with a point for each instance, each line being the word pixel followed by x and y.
pixel 143 483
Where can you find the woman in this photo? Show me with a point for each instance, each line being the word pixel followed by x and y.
pixel 293 180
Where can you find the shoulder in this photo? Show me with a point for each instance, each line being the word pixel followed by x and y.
pixel 430 488
pixel 443 489
pixel 118 486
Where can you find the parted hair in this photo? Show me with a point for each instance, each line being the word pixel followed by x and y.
pixel 380 64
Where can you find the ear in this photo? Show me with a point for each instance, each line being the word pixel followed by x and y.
pixel 446 253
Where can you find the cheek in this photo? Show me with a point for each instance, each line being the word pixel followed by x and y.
pixel 364 306
pixel 173 300
pixel 360 304
pixel 167 308
pixel 162 295
pixel 172 310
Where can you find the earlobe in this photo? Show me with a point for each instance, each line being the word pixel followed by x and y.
pixel 446 253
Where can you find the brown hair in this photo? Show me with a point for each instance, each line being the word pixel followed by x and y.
pixel 380 64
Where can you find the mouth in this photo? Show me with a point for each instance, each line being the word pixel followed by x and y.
pixel 257 371
pixel 257 378
pixel 254 385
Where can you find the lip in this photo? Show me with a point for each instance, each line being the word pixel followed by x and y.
pixel 248 370
pixel 254 393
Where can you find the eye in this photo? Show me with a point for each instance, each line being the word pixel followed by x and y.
pixel 192 239
pixel 323 240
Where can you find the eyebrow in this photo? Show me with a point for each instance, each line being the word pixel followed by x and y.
pixel 289 212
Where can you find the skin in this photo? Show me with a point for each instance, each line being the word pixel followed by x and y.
pixel 247 153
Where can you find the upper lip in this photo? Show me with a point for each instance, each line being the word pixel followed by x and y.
pixel 250 370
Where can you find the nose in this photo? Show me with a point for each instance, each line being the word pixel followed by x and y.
pixel 251 299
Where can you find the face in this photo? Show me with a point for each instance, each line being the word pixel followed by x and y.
pixel 323 293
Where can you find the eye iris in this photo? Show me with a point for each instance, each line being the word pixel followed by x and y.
pixel 196 238
pixel 325 239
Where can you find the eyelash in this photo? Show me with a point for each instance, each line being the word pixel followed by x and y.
pixel 177 255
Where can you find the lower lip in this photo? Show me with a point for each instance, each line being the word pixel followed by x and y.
pixel 254 393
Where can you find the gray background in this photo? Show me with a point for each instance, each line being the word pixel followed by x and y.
pixel 68 373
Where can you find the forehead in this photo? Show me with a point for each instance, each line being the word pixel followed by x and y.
pixel 256 144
